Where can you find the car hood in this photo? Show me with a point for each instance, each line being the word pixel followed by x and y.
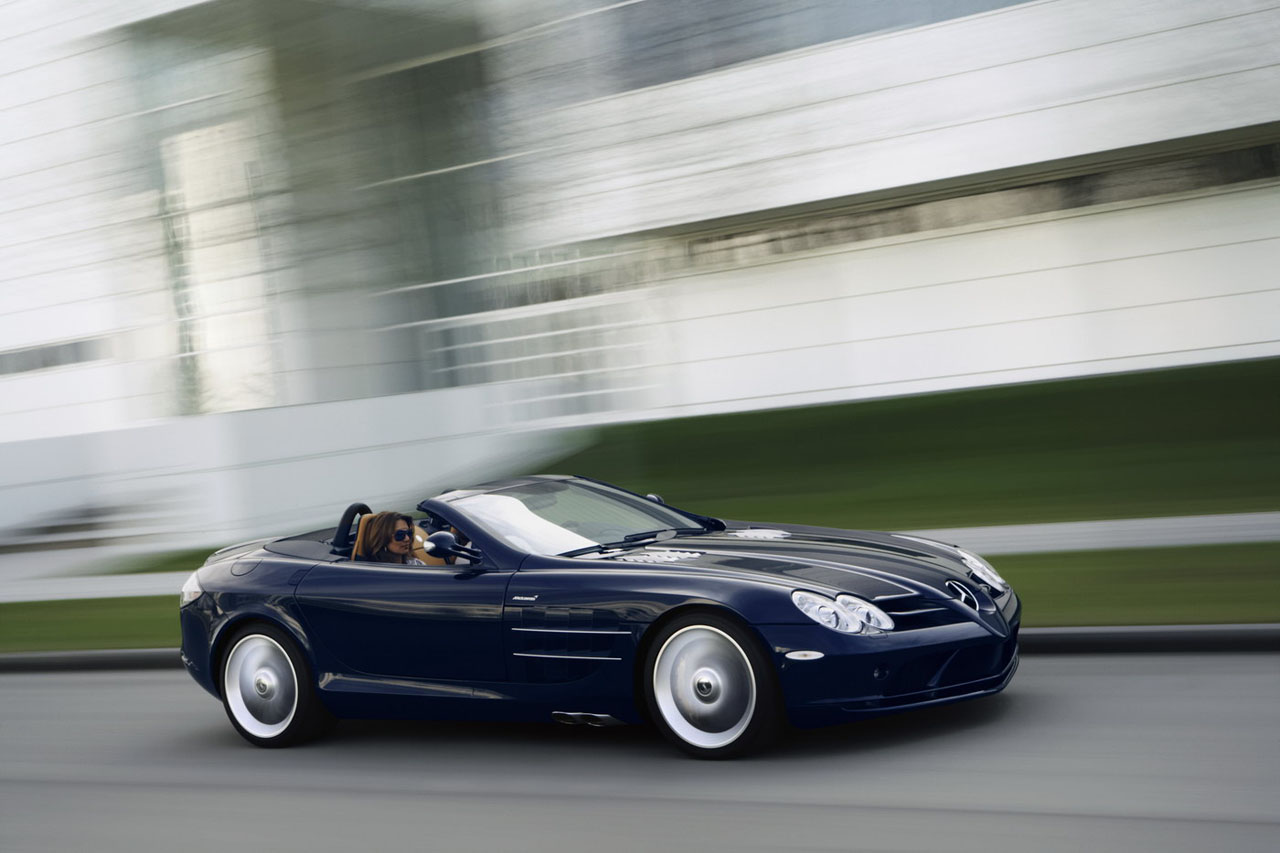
pixel 865 563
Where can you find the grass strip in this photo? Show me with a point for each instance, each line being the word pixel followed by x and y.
pixel 1201 584
pixel 1147 586
pixel 92 623
pixel 1183 441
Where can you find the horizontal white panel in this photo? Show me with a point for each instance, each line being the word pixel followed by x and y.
pixel 73 419
pixel 53 324
pixel 74 76
pixel 80 111
pixel 1127 288
pixel 75 398
pixel 633 163
pixel 969 357
pixel 1118 285
pixel 23 187
pixel 1181 228
pixel 1219 48
pixel 805 175
pixel 1028 33
pixel 45 32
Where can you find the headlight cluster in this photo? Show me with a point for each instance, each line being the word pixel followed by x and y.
pixel 845 613
pixel 983 570
pixel 191 590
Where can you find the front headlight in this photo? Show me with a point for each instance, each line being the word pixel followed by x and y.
pixel 983 570
pixel 847 614
pixel 191 590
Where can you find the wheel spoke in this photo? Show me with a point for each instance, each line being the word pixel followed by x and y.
pixel 704 686
pixel 261 686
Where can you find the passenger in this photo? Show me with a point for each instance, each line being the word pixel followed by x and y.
pixel 388 538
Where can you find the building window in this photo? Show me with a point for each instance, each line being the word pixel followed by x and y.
pixel 44 357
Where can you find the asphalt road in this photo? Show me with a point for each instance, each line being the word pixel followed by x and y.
pixel 1132 752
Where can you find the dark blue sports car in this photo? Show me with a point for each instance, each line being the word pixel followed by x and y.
pixel 567 599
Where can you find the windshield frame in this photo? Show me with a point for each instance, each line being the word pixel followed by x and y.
pixel 660 516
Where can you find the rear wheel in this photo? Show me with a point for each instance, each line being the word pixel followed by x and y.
pixel 267 688
pixel 710 688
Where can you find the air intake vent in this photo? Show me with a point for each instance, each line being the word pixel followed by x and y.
pixel 911 611
pixel 657 556
pixel 760 533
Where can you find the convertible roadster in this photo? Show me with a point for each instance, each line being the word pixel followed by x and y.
pixel 567 599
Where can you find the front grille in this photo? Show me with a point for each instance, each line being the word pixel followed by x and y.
pixel 911 611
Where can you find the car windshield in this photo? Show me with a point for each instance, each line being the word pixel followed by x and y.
pixel 559 516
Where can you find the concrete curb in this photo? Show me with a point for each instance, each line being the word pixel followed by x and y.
pixel 1263 637
pixel 90 660
pixel 1084 640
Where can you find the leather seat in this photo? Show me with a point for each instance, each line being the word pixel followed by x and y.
pixel 419 544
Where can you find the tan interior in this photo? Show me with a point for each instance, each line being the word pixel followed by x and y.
pixel 419 544
pixel 358 549
pixel 420 548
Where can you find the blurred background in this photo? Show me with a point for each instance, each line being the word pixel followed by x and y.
pixel 915 265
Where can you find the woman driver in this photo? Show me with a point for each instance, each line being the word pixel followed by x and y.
pixel 389 539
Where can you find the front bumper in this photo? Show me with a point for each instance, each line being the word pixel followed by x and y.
pixel 869 676
pixel 195 619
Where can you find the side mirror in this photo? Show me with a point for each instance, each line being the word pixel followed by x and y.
pixel 442 543
pixel 655 498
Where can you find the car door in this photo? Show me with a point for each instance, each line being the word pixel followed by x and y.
pixel 420 622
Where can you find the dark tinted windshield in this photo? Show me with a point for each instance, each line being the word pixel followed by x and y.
pixel 555 516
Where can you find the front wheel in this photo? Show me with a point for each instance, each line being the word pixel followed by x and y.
pixel 266 688
pixel 710 688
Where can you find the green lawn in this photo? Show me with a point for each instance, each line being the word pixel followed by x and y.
pixel 1150 586
pixel 1147 586
pixel 96 623
pixel 1171 442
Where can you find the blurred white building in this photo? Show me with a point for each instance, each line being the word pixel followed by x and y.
pixel 262 257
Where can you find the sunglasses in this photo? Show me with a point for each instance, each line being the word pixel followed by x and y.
pixel 402 535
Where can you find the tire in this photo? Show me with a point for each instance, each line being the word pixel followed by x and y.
pixel 710 688
pixel 267 688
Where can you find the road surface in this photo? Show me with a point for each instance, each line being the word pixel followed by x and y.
pixel 1122 752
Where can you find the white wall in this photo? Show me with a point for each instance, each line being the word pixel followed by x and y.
pixel 191 482
pixel 1121 287
pixel 1172 280
pixel 1023 85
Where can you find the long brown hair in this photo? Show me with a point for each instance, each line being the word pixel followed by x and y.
pixel 378 532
